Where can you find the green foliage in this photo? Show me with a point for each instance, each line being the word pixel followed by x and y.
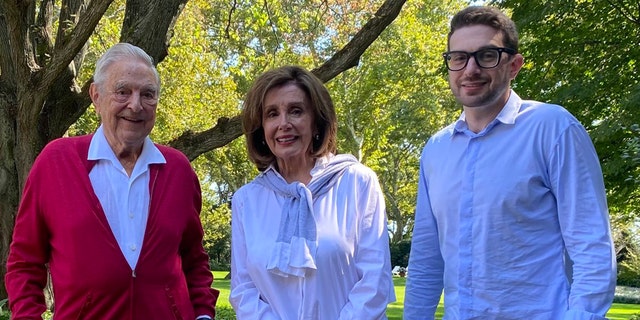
pixel 225 313
pixel 222 172
pixel 196 89
pixel 252 36
pixel 400 253
pixel 395 100
pixel 216 222
pixel 584 56
pixel 629 271
pixel 218 48
pixel 4 310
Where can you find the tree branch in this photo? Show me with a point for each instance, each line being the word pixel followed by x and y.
pixel 71 43
pixel 7 75
pixel 42 33
pixel 194 144
pixel 18 17
pixel 65 102
pixel 349 56
pixel 227 130
pixel 149 25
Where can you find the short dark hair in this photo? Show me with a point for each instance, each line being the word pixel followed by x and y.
pixel 321 104
pixel 488 16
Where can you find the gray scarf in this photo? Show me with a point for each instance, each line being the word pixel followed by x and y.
pixel 295 249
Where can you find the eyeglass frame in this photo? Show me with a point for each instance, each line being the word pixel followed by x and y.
pixel 500 50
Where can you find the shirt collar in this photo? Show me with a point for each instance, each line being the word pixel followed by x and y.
pixel 321 163
pixel 99 149
pixel 507 115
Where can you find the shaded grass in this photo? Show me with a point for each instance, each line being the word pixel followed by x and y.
pixel 618 311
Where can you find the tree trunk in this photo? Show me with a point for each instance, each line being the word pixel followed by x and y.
pixel 9 185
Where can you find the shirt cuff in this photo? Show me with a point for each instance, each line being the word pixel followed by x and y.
pixel 203 317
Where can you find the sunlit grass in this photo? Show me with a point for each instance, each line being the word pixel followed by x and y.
pixel 395 309
pixel 621 311
pixel 224 286
pixel 618 311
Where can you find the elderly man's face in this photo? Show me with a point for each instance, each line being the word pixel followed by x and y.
pixel 126 103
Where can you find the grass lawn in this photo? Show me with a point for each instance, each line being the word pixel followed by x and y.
pixel 618 311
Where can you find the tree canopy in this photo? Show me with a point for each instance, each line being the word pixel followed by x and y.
pixel 43 82
pixel 387 81
pixel 584 55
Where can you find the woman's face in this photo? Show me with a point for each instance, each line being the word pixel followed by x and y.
pixel 287 120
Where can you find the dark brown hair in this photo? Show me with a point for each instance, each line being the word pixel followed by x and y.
pixel 321 105
pixel 488 16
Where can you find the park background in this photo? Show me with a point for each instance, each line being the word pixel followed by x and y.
pixel 381 61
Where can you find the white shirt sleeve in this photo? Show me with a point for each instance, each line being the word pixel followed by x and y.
pixel 245 297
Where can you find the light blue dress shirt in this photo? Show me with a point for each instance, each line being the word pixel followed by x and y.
pixel 512 222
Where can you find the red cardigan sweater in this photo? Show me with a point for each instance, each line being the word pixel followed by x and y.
pixel 61 223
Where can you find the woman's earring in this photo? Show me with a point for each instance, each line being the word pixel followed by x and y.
pixel 316 137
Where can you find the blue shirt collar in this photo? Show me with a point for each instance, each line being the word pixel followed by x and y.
pixel 507 115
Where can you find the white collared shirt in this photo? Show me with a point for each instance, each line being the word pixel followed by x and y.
pixel 124 199
pixel 353 276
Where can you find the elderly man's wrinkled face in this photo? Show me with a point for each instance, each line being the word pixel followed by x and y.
pixel 126 103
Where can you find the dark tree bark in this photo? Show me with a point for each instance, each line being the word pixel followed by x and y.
pixel 40 97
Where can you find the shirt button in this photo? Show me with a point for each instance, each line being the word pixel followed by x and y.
pixel 132 247
pixel 130 215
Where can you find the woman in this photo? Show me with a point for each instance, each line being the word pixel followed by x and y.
pixel 309 234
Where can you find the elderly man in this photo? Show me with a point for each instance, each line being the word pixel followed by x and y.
pixel 113 216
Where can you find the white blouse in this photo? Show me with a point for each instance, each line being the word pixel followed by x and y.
pixel 353 276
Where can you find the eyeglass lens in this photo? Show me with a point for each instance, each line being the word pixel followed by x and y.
pixel 485 58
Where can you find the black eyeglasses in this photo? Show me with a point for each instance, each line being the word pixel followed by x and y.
pixel 485 58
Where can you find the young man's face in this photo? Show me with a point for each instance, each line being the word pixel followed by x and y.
pixel 474 86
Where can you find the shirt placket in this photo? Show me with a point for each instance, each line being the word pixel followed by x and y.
pixel 465 271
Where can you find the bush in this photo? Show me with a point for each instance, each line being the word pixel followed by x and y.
pixel 216 265
pixel 629 270
pixel 627 295
pixel 225 313
pixel 4 310
pixel 400 253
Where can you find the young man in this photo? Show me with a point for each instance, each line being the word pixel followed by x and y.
pixel 511 218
